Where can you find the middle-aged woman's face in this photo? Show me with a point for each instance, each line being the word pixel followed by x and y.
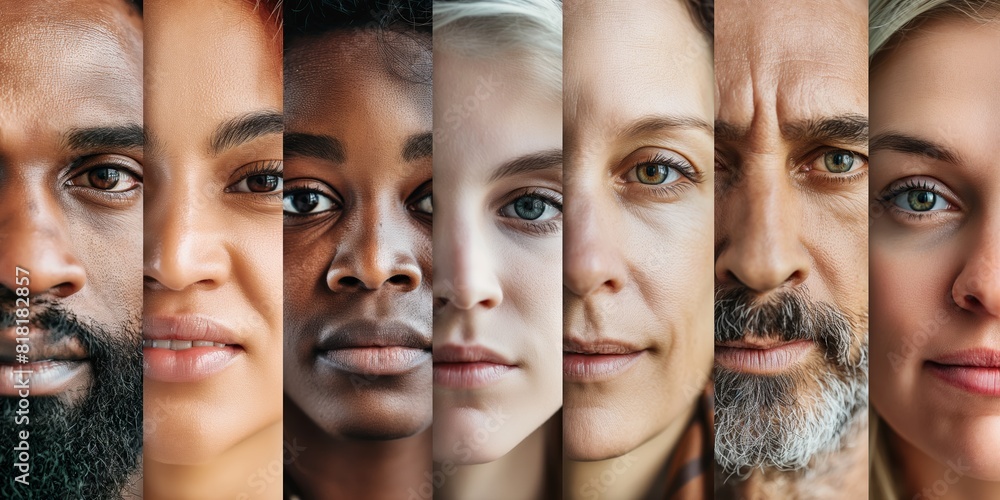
pixel 212 228
pixel 358 233
pixel 638 276
pixel 498 255
pixel 934 247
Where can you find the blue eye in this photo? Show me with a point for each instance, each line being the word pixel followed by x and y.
pixel 531 207
pixel 840 161
pixel 304 202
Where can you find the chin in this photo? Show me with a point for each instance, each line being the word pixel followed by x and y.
pixel 380 427
pixel 592 434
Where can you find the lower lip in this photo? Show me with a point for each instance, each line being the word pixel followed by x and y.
pixel 188 365
pixel 385 361
pixel 579 367
pixel 46 378
pixel 469 375
pixel 762 361
pixel 975 379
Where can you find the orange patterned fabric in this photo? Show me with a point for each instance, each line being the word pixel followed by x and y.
pixel 688 472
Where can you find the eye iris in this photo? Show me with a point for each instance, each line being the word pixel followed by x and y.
pixel 104 178
pixel 839 162
pixel 921 201
pixel 305 202
pixel 529 207
pixel 262 183
pixel 651 174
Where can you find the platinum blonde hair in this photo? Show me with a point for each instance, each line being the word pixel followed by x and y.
pixel 531 29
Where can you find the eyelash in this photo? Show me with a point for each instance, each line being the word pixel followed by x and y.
pixel 885 198
pixel 312 188
pixel 110 196
pixel 538 228
pixel 669 190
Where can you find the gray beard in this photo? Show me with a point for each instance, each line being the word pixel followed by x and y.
pixel 784 422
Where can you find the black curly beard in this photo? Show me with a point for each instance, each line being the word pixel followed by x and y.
pixel 91 448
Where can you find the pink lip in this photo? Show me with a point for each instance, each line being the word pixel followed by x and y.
pixel 761 357
pixel 374 360
pixel 188 365
pixel 974 370
pixel 469 367
pixel 597 360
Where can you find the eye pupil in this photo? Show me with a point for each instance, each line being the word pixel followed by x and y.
pixel 262 183
pixel 839 162
pixel 104 178
pixel 305 202
pixel 529 207
pixel 651 174
pixel 921 201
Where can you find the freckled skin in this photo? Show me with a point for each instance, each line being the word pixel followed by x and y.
pixel 944 262
pixel 210 250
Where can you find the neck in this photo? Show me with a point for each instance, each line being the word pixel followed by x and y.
pixel 628 476
pixel 924 477
pixel 321 466
pixel 251 469
pixel 518 474
pixel 840 474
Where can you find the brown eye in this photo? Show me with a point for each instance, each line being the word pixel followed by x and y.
pixel 108 179
pixel 263 183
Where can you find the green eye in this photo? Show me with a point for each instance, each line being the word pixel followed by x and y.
pixel 920 200
pixel 655 173
pixel 839 161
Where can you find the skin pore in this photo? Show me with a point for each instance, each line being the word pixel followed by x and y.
pixel 358 253
pixel 70 122
pixel 792 99
pixel 213 100
pixel 498 250
pixel 934 200
pixel 634 273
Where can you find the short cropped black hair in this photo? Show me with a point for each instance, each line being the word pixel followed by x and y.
pixel 313 17
pixel 704 13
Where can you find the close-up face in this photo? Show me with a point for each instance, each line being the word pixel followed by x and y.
pixel 212 246
pixel 357 211
pixel 70 225
pixel 791 228
pixel 638 298
pixel 935 201
pixel 497 252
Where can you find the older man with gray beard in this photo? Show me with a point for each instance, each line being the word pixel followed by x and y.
pixel 791 249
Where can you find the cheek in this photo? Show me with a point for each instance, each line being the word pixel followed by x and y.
pixel 530 273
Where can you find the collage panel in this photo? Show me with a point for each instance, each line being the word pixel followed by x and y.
pixel 497 249
pixel 358 268
pixel 637 295
pixel 212 248
pixel 71 205
pixel 791 249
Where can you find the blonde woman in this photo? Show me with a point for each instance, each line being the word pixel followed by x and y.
pixel 935 285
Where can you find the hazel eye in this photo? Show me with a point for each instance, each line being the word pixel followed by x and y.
pixel 920 200
pixel 262 183
pixel 110 179
pixel 306 203
pixel 840 161
pixel 530 207
pixel 424 205
pixel 656 173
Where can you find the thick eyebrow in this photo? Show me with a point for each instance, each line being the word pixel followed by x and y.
pixel 843 129
pixel 725 131
pixel 321 147
pixel 903 143
pixel 658 123
pixel 532 162
pixel 418 146
pixel 246 128
pixel 128 136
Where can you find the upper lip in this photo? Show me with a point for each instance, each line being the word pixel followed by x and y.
pixel 40 346
pixel 577 345
pixel 189 327
pixel 366 333
pixel 459 353
pixel 980 358
pixel 757 343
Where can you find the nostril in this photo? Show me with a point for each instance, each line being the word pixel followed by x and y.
pixel 400 279
pixel 972 301
pixel 349 281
